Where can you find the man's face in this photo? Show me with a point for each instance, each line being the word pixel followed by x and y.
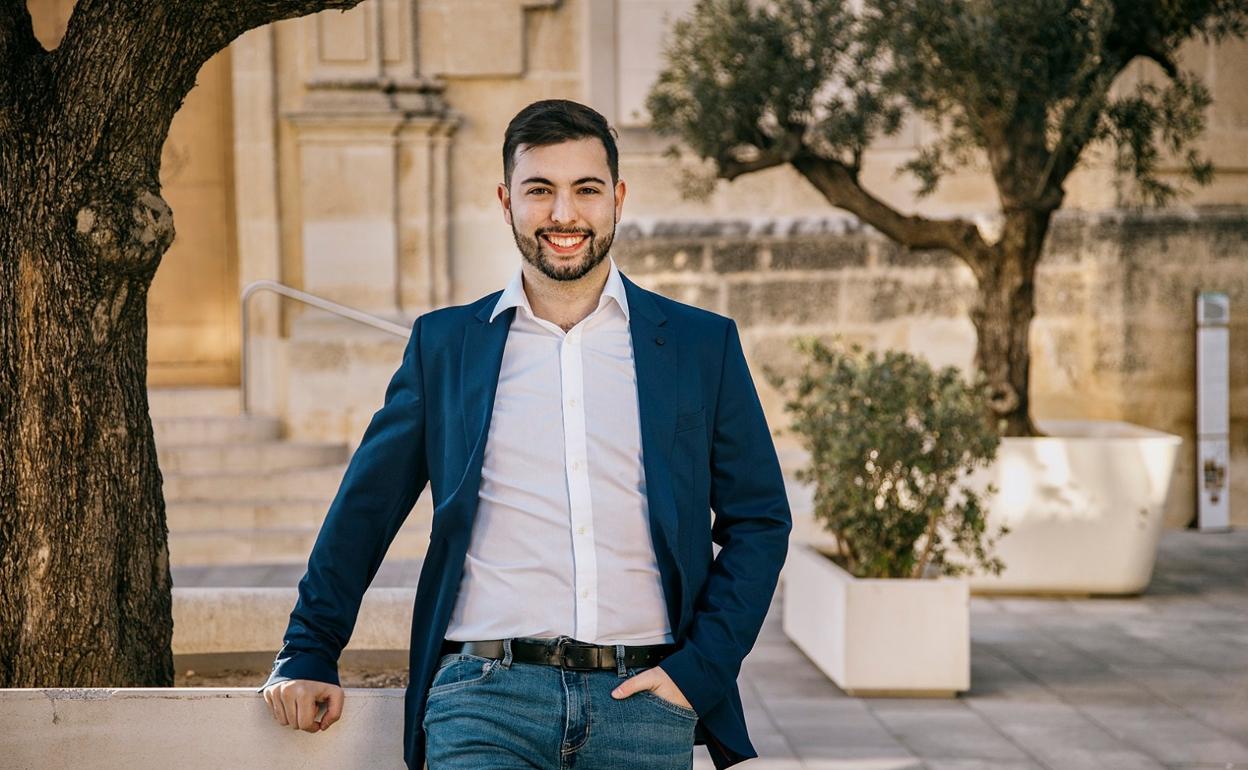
pixel 562 207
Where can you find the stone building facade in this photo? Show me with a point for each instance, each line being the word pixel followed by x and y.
pixel 354 156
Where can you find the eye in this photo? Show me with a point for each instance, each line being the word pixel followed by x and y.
pixel 589 190
pixel 536 190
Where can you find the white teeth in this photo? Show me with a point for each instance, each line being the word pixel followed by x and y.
pixel 565 241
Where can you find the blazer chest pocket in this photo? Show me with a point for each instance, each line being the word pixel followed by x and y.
pixel 691 420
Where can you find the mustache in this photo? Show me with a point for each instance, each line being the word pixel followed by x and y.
pixel 564 232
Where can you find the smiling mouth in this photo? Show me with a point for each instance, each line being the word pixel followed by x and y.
pixel 565 244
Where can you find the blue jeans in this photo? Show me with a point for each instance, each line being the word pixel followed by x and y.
pixel 501 714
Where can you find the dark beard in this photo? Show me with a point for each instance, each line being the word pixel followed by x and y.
pixel 533 252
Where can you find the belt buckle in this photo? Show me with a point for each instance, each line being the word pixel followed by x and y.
pixel 562 645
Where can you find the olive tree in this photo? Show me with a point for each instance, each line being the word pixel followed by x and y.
pixel 1023 86
pixel 85 594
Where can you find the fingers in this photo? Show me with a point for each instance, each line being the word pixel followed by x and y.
pixel 334 711
pixel 636 683
pixel 306 719
pixel 295 704
pixel 290 702
pixel 273 698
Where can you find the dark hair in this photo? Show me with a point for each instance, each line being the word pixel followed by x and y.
pixel 551 121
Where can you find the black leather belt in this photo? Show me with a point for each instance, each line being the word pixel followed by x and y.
pixel 564 652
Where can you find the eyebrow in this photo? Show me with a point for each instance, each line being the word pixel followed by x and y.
pixel 544 180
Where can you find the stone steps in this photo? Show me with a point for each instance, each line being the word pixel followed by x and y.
pixel 227 429
pixel 194 402
pixel 272 545
pixel 237 493
pixel 256 457
pixel 302 483
pixel 207 515
pixel 200 515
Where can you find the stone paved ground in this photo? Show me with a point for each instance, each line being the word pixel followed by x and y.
pixel 1156 681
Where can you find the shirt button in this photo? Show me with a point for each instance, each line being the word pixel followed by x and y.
pixel 572 402
pixel 585 594
pixel 580 530
pixel 576 465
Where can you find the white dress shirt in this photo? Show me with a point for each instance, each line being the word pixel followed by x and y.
pixel 561 541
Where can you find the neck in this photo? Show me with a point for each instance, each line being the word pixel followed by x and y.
pixel 564 303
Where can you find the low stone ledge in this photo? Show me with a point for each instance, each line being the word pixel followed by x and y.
pixel 239 620
pixel 191 729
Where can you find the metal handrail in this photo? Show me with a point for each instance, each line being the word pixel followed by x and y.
pixel 311 299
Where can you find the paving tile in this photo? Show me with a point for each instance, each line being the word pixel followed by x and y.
pixel 1212 654
pixel 1187 685
pixel 1228 716
pixel 1168 733
pixel 979 764
pixel 871 762
pixel 1113 645
pixel 824 753
pixel 1060 736
pixel 1106 607
pixel 946 733
pixel 994 677
pixel 800 711
pixel 1104 687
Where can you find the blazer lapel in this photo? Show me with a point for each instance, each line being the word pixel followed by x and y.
pixel 480 362
pixel 656 359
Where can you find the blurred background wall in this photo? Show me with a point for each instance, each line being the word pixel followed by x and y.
pixel 355 155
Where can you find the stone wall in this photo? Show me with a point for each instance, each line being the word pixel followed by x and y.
pixel 1114 335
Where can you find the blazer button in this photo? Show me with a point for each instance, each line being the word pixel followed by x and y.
pixel 658 340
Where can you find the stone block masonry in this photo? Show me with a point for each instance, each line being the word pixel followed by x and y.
pixel 1113 336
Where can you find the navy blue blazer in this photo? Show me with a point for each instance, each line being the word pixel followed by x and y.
pixel 705 447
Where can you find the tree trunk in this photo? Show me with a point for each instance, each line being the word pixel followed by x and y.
pixel 84 557
pixel 1002 316
pixel 85 589
pixel 1005 272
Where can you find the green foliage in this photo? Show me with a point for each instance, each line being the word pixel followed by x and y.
pixel 1025 83
pixel 745 78
pixel 1151 119
pixel 889 439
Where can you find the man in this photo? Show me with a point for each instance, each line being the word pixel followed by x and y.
pixel 577 432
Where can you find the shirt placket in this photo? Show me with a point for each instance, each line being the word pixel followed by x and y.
pixel 585 563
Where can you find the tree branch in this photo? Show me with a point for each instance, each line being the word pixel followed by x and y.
pixel 730 168
pixel 770 152
pixel 1078 127
pixel 1124 43
pixel 841 188
pixel 243 15
pixel 125 66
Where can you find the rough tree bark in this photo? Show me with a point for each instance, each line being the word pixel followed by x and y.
pixel 85 591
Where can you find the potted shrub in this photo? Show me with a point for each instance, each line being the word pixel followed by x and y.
pixel 887 611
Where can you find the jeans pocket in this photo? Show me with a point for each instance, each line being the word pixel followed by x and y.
pixel 457 671
pixel 675 708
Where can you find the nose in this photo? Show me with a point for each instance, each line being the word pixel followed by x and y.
pixel 563 210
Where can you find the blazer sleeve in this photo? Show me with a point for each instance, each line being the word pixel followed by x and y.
pixel 751 526
pixel 384 478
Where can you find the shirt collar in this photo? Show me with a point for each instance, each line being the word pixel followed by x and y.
pixel 514 296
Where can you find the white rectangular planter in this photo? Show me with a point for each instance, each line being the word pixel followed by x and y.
pixel 1084 505
pixel 878 636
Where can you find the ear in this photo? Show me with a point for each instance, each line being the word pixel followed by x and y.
pixel 504 197
pixel 620 190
